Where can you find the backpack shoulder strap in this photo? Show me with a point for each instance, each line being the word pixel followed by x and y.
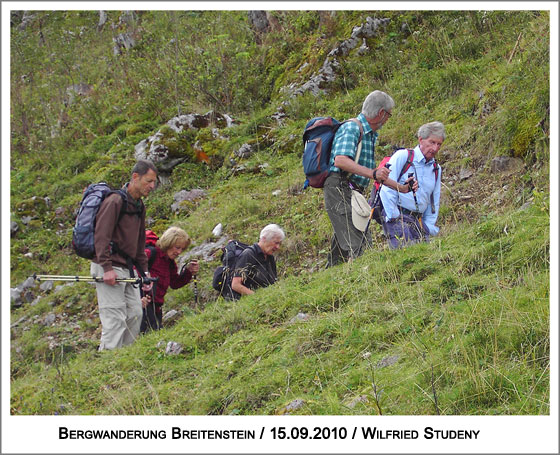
pixel 114 247
pixel 153 254
pixel 359 149
pixel 407 164
pixel 124 204
pixel 124 196
pixel 357 122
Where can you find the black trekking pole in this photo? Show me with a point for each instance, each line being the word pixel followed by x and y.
pixel 411 174
pixel 195 284
pixel 376 200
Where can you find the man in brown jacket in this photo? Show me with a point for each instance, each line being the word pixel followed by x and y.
pixel 120 240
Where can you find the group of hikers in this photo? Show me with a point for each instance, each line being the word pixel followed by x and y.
pixel 408 202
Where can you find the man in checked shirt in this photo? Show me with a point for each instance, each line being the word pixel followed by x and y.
pixel 349 242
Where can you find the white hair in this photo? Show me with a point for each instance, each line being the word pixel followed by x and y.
pixel 271 231
pixel 431 129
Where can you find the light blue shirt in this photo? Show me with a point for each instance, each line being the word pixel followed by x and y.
pixel 424 173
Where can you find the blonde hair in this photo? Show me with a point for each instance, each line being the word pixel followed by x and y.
pixel 171 237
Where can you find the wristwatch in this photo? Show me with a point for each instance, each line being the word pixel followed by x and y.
pixel 375 174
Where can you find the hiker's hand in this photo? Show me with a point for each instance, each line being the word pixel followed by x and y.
pixel 147 286
pixel 407 184
pixel 193 267
pixel 110 277
pixel 146 301
pixel 382 174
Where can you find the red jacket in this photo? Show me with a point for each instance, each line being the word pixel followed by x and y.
pixel 166 270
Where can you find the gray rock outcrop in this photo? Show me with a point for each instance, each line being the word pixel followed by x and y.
pixel 154 147
pixel 183 196
pixel 505 164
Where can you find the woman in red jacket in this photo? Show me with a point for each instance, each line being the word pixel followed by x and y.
pixel 162 254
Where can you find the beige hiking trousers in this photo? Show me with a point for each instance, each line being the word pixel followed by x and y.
pixel 120 310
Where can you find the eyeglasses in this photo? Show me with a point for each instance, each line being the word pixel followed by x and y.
pixel 388 113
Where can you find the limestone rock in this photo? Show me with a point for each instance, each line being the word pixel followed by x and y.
pixel 505 164
pixel 171 316
pixel 293 406
pixel 217 231
pixel 388 361
pixel 14 227
pixel 173 348
pixel 183 196
pixel 300 317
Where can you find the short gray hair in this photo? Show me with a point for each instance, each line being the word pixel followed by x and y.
pixel 272 230
pixel 143 166
pixel 376 101
pixel 431 129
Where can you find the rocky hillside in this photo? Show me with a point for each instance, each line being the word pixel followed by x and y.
pixel 218 100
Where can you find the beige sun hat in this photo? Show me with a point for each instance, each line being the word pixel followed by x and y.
pixel 360 211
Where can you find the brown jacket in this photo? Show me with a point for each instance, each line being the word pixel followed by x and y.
pixel 129 234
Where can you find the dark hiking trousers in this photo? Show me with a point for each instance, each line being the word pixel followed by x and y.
pixel 347 241
pixel 404 230
pixel 152 318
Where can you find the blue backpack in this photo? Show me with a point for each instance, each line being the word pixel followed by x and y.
pixel 317 142
pixel 84 229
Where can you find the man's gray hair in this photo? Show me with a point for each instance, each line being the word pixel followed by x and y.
pixel 376 101
pixel 271 231
pixel 143 166
pixel 431 129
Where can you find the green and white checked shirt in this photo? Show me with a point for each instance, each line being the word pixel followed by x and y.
pixel 346 143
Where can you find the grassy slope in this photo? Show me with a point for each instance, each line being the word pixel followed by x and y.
pixel 467 314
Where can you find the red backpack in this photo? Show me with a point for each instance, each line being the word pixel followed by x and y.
pixel 151 239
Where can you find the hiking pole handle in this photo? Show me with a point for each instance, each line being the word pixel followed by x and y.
pixel 410 184
pixel 386 166
pixel 378 192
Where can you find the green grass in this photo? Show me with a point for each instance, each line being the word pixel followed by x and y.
pixel 466 315
pixel 467 319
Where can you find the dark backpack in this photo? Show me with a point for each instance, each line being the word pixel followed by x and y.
pixel 375 200
pixel 223 275
pixel 84 229
pixel 317 142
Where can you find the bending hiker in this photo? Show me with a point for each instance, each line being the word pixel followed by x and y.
pixel 161 258
pixel 411 218
pixel 348 173
pixel 119 243
pixel 256 266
